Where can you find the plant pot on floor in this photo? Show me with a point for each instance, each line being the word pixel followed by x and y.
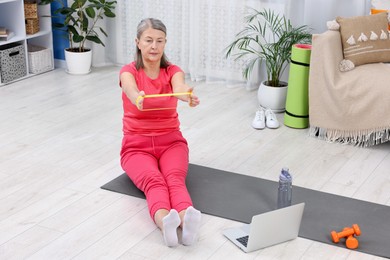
pixel 78 63
pixel 272 97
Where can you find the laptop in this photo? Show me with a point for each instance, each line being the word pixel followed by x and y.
pixel 267 229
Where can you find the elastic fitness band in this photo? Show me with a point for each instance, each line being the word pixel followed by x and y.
pixel 162 95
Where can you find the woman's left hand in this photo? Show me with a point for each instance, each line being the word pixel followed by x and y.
pixel 193 100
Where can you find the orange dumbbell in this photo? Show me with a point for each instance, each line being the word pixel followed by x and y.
pixel 349 233
pixel 351 242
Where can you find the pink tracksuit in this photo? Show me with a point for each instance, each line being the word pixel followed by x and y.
pixel 154 153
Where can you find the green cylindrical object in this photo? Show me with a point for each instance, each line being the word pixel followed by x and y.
pixel 297 101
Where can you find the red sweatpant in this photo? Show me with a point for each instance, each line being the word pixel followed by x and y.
pixel 158 166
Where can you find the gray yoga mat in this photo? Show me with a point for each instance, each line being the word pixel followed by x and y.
pixel 239 197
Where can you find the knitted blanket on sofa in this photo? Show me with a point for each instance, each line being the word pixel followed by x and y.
pixel 350 107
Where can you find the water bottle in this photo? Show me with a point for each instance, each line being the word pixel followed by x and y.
pixel 284 189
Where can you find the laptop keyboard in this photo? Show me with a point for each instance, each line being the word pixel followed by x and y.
pixel 243 240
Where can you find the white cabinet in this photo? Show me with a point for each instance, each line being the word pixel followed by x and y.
pixel 12 17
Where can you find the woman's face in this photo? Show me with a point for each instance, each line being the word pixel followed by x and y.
pixel 152 44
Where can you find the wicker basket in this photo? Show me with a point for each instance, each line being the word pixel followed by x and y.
pixel 30 9
pixel 39 59
pixel 32 26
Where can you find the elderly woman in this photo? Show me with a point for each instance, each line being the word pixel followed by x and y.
pixel 154 152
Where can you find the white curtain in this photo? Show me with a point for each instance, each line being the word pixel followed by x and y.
pixel 199 31
pixel 315 13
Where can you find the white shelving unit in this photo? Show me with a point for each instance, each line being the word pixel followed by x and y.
pixel 12 17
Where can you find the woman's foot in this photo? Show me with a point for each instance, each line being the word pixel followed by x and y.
pixel 191 225
pixel 170 224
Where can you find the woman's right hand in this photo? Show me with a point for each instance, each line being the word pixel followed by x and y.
pixel 140 100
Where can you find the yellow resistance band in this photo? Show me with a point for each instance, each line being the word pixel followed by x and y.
pixel 162 95
pixel 168 95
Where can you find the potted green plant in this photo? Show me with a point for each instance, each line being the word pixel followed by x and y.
pixel 268 37
pixel 81 25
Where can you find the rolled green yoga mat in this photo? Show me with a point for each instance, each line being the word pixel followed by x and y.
pixel 297 103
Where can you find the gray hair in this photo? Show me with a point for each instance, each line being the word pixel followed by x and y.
pixel 141 28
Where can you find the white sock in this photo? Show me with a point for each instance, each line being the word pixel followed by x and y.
pixel 191 225
pixel 171 222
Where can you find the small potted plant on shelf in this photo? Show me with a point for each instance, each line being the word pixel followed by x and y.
pixel 268 37
pixel 81 25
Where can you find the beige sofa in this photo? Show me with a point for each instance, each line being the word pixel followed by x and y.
pixel 350 107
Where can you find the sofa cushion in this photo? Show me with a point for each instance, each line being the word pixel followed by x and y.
pixel 377 11
pixel 365 39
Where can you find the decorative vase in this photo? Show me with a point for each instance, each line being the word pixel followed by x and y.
pixel 78 63
pixel 272 97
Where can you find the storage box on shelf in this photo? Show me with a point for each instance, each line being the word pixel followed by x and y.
pixel 32 26
pixel 30 9
pixel 12 62
pixel 39 59
pixel 31 16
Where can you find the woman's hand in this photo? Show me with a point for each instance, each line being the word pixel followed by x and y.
pixel 140 100
pixel 193 100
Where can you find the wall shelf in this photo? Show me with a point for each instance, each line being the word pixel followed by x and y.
pixel 12 17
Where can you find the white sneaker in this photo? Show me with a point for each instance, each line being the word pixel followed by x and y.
pixel 271 121
pixel 259 120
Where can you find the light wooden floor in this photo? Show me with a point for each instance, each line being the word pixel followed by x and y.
pixel 60 137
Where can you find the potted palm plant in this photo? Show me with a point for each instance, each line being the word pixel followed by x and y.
pixel 268 37
pixel 81 25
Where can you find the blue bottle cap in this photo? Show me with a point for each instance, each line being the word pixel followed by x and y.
pixel 285 175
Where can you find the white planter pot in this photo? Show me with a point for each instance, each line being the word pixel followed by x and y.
pixel 78 63
pixel 272 97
